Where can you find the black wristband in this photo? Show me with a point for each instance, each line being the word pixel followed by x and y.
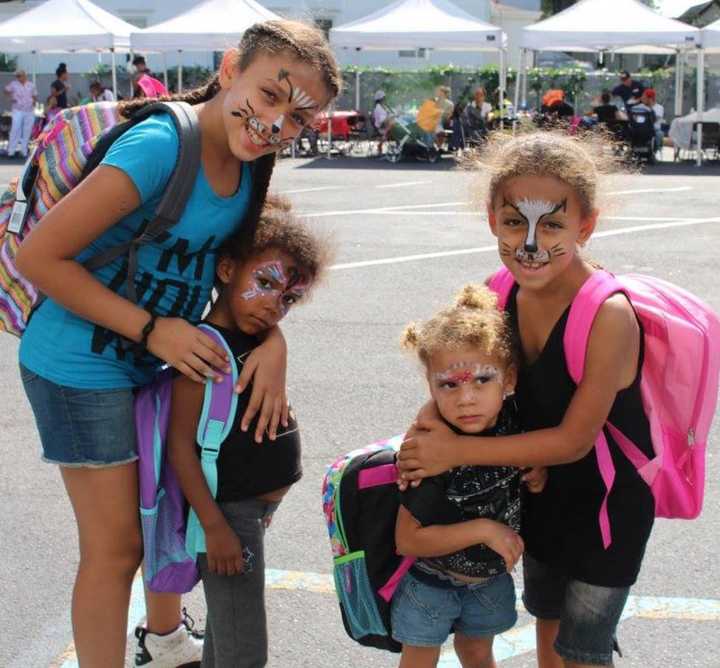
pixel 147 330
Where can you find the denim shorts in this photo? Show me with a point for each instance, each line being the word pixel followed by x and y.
pixel 82 427
pixel 424 615
pixel 588 614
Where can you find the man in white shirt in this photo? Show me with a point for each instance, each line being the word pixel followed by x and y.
pixel 23 95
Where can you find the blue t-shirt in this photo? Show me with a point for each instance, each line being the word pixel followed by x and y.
pixel 174 277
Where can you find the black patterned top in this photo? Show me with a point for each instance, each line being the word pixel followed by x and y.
pixel 467 493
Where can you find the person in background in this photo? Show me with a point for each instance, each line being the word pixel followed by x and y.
pixel 382 117
pixel 145 84
pixel 606 112
pixel 555 110
pixel 23 95
pixel 475 115
pixel 429 118
pixel 447 107
pixel 628 90
pixel 99 93
pixel 649 99
pixel 59 88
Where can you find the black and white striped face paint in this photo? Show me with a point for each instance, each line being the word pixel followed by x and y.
pixel 533 211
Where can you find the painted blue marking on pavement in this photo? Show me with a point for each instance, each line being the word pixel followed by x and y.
pixel 515 642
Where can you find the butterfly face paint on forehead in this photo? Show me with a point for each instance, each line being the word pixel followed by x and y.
pixel 532 211
pixel 463 373
pixel 270 278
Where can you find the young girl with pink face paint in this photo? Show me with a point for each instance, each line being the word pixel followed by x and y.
pixel 257 287
pixel 541 197
pixel 462 525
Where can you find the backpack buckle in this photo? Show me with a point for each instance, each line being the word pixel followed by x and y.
pixel 17 217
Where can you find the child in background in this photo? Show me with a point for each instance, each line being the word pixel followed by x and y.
pixel 541 193
pixel 257 287
pixel 463 524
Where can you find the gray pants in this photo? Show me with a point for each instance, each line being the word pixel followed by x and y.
pixel 236 627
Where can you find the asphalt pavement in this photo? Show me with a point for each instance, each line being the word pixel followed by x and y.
pixel 407 238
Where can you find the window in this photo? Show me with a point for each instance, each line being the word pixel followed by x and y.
pixel 414 53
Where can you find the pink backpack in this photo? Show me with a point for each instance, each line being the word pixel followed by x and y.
pixel 151 87
pixel 679 384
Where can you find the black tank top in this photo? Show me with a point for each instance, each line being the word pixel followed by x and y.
pixel 245 468
pixel 560 525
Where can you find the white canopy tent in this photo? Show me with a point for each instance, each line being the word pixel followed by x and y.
pixel 62 26
pixel 710 37
pixel 212 25
pixel 618 26
pixel 416 24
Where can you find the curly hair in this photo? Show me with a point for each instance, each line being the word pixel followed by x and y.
pixel 583 162
pixel 279 229
pixel 474 320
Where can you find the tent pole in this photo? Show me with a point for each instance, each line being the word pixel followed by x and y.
pixel 501 89
pixel 330 111
pixel 180 83
pixel 517 83
pixel 165 74
pixel 357 91
pixel 678 82
pixel 529 60
pixel 34 67
pixel 700 101
pixel 114 73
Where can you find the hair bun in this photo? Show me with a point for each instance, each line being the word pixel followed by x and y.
pixel 476 297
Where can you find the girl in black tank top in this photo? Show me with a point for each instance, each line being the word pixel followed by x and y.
pixel 541 203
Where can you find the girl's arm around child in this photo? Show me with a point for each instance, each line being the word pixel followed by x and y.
pixel 611 365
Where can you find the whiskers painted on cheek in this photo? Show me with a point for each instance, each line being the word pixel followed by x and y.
pixel 505 250
pixel 558 250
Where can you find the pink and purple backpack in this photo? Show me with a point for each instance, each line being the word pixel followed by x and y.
pixel 172 535
pixel 679 384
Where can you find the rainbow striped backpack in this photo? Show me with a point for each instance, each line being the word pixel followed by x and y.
pixel 71 146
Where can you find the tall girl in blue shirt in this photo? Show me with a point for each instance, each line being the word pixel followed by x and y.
pixel 87 346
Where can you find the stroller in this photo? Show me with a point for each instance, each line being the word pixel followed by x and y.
pixel 641 133
pixel 410 141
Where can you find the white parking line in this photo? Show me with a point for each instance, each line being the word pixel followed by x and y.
pixel 403 184
pixel 310 190
pixel 486 249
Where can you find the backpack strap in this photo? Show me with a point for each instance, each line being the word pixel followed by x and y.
pixel 592 295
pixel 216 421
pixel 177 191
pixel 501 283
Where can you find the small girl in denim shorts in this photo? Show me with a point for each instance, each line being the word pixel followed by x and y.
pixel 463 524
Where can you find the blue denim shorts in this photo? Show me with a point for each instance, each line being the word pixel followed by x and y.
pixel 82 427
pixel 424 615
pixel 588 614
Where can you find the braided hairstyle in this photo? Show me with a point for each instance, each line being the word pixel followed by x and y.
pixel 303 42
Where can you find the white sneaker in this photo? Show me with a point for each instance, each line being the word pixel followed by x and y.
pixel 181 648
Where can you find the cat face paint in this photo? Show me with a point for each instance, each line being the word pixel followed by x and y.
pixel 533 211
pixel 270 279
pixel 263 136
